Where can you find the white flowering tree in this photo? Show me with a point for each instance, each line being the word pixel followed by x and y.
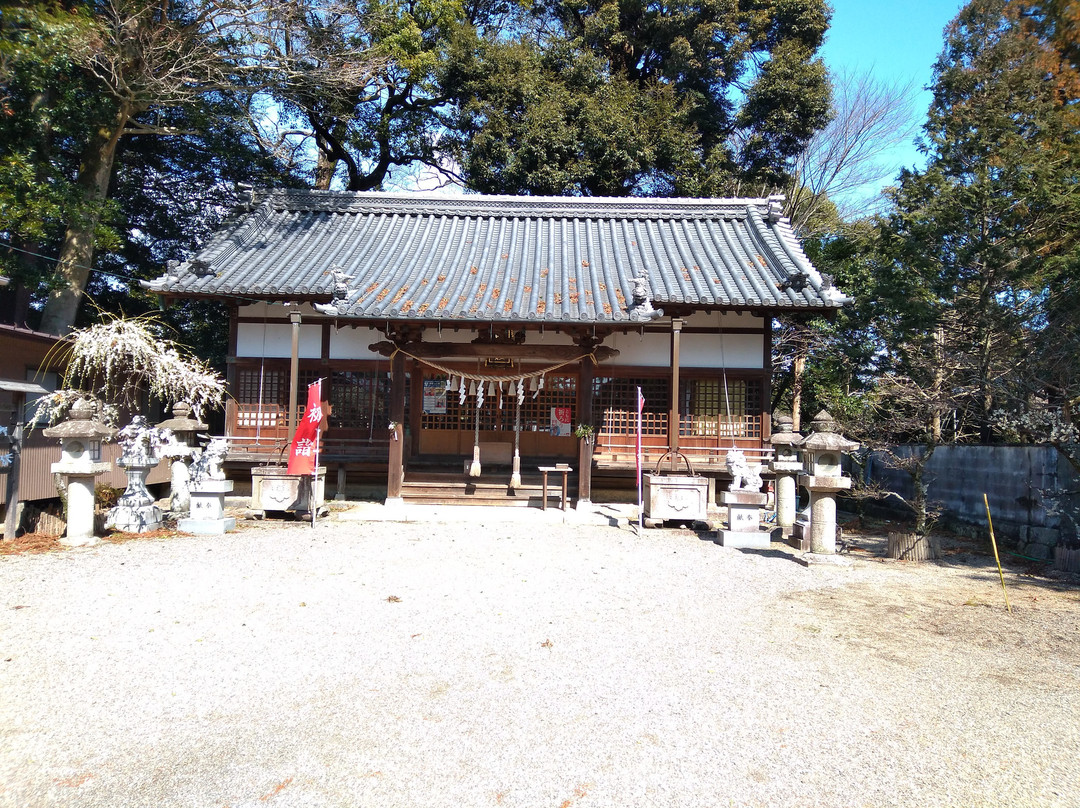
pixel 119 360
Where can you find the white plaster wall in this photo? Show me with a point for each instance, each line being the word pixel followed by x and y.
pixel 728 350
pixel 352 343
pixel 277 339
pixel 646 350
pixel 270 310
pixel 695 350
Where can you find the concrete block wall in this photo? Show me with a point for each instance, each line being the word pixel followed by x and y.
pixel 1014 478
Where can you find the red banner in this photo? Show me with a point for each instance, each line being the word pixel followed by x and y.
pixel 305 443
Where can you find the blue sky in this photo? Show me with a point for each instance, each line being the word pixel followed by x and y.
pixel 898 41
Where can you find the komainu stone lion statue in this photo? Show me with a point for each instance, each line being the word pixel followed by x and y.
pixel 744 477
pixel 208 465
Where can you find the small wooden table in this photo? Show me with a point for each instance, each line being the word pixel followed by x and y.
pixel 563 469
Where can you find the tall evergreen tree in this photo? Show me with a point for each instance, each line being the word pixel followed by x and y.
pixel 628 97
pixel 977 235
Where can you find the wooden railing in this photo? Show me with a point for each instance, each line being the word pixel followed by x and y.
pixel 704 439
pixel 259 427
pixel 260 433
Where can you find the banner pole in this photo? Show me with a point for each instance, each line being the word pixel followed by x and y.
pixel 640 496
pixel 315 468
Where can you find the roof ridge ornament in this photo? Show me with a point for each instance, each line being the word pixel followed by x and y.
pixel 775 210
pixel 201 268
pixel 641 308
pixel 340 300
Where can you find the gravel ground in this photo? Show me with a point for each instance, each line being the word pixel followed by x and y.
pixel 527 663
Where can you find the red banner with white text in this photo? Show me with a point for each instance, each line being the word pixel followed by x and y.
pixel 305 443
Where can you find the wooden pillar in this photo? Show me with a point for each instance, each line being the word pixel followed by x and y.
pixel 673 413
pixel 396 473
pixel 585 416
pixel 766 366
pixel 294 370
pixel 416 407
pixel 230 356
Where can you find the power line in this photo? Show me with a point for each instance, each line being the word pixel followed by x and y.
pixel 126 278
pixel 8 245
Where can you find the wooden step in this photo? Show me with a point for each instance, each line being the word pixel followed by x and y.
pixel 430 488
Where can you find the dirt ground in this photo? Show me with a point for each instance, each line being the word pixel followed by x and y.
pixel 957 598
pixel 532 662
pixel 949 598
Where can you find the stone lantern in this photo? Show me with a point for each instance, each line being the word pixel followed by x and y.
pixel 822 449
pixel 80 446
pixel 135 511
pixel 185 428
pixel 785 465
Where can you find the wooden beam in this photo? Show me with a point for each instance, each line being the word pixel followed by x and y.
pixel 11 521
pixel 585 416
pixel 456 350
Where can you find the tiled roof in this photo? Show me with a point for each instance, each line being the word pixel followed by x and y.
pixel 483 258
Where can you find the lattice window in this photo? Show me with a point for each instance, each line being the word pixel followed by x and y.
pixel 706 410
pixel 272 383
pixel 559 393
pixel 259 416
pixel 536 413
pixel 442 411
pixel 360 399
pixel 615 403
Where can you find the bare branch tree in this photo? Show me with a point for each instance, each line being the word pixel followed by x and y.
pixel 869 118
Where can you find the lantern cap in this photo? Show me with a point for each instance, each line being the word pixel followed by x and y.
pixel 182 420
pixel 80 424
pixel 823 436
pixel 784 434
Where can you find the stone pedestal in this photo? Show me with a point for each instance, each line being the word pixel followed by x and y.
pixel 822 527
pixel 180 492
pixel 135 512
pixel 208 509
pixel 80 506
pixel 744 520
pixel 786 494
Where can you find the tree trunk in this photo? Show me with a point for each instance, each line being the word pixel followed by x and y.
pixel 325 167
pixel 939 381
pixel 920 500
pixel 77 252
pixel 798 370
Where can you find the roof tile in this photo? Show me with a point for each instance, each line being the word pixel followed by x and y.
pixel 504 258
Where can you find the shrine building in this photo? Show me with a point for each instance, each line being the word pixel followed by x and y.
pixel 516 331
